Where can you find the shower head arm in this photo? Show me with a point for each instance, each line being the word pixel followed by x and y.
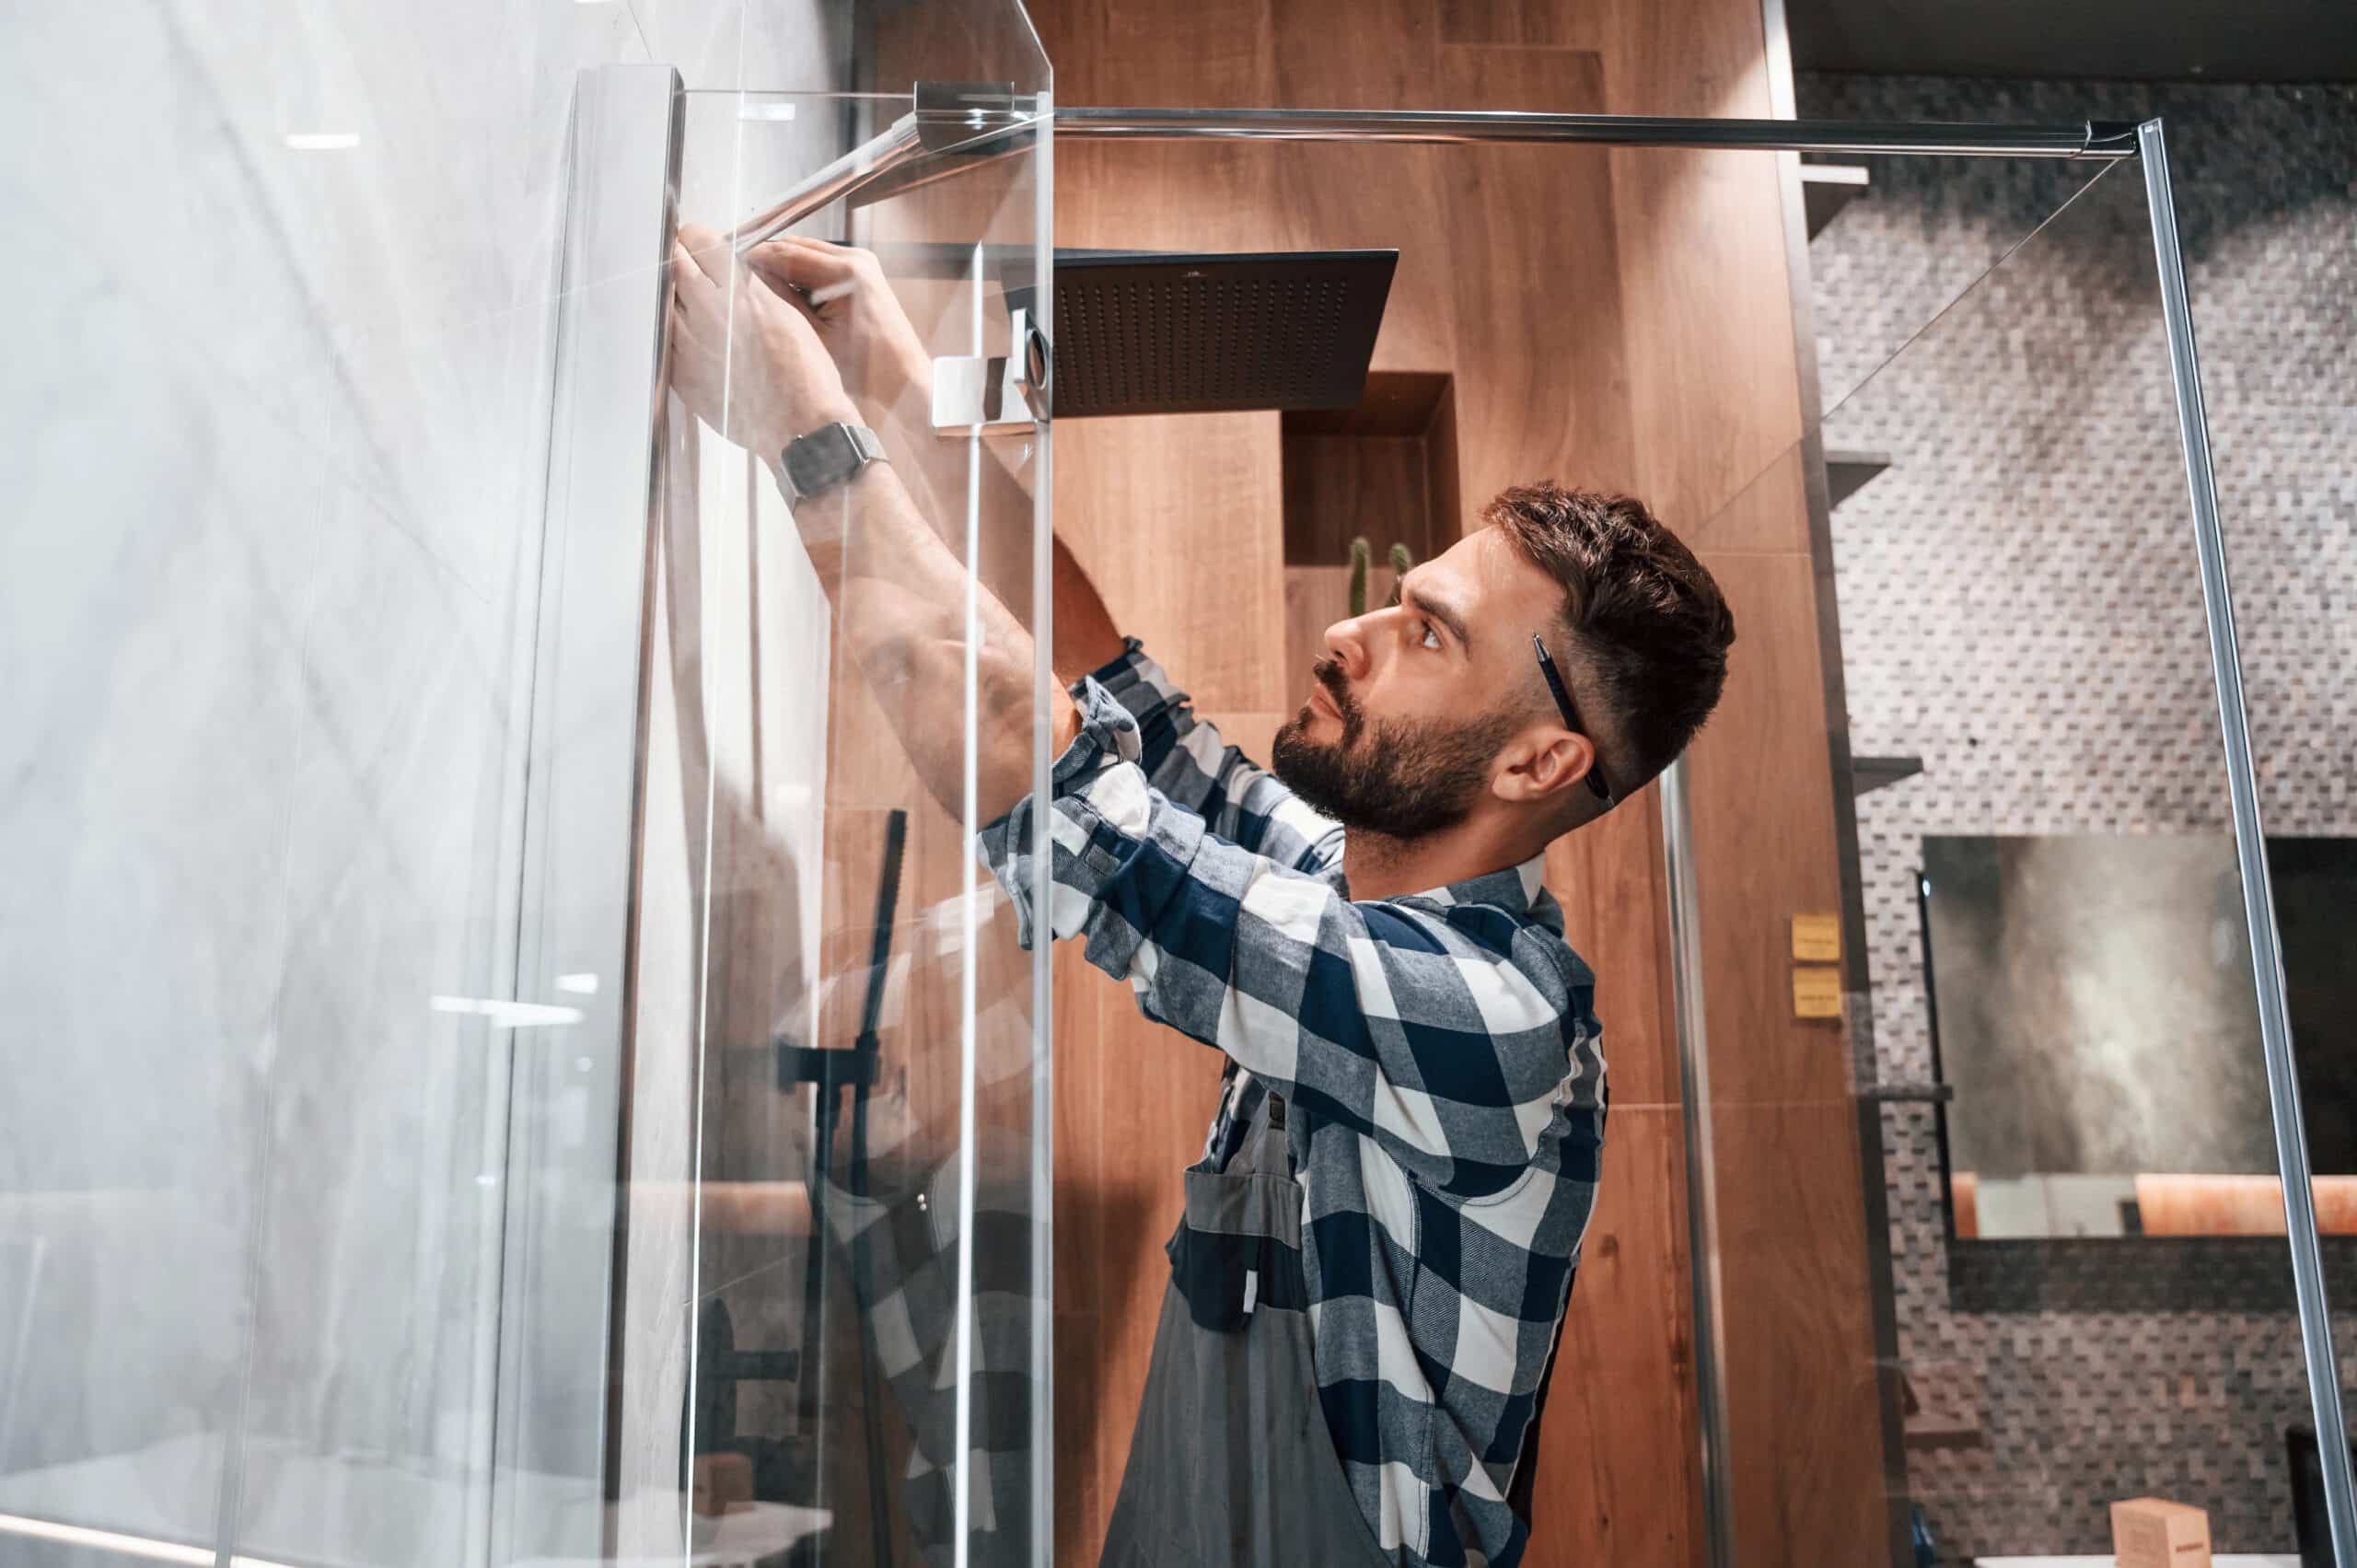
pixel 953 126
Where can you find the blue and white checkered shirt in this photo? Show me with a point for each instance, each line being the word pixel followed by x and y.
pixel 1440 1048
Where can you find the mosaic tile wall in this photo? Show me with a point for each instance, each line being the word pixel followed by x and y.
pixel 2019 608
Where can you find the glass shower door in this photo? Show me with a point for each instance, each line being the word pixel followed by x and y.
pixel 2042 1026
pixel 777 1268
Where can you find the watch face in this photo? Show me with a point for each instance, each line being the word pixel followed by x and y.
pixel 819 460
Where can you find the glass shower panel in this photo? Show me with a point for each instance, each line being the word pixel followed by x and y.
pixel 832 1305
pixel 428 859
pixel 2051 1050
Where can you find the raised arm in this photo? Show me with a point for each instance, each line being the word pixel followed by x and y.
pixel 1183 756
pixel 748 361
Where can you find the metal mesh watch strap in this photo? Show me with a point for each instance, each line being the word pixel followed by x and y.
pixel 827 457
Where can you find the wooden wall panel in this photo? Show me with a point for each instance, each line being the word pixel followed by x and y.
pixel 1539 24
pixel 1617 318
pixel 1768 515
pixel 1803 1419
pixel 1608 878
pixel 1762 769
pixel 1542 384
pixel 1168 517
pixel 1714 383
pixel 1803 1414
pixel 1613 1486
pixel 1702 256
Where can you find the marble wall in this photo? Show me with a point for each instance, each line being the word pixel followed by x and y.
pixel 277 389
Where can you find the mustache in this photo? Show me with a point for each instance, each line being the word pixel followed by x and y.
pixel 1329 674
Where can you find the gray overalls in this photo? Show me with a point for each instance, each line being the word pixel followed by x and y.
pixel 1232 1465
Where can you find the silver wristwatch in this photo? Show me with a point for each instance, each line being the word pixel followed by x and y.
pixel 829 456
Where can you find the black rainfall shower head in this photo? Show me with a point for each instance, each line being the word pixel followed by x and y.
pixel 1156 332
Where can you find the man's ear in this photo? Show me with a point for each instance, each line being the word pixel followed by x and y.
pixel 1543 767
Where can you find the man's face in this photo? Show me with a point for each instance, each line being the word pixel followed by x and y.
pixel 1410 706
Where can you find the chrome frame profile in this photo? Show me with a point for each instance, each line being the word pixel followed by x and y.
pixel 557 1271
pixel 1701 1204
pixel 2250 846
pixel 1043 748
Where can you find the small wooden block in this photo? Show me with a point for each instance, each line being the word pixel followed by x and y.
pixel 2149 1533
pixel 1817 993
pixel 720 1483
pixel 1817 938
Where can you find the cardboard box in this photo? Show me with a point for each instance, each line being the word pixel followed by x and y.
pixel 2149 1533
pixel 721 1483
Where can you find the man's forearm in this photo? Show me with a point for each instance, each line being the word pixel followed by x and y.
pixel 1085 637
pixel 936 470
pixel 902 600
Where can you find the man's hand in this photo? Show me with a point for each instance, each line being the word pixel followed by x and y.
pixel 858 316
pixel 751 362
pixel 746 359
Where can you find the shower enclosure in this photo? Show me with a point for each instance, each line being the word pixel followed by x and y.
pixel 727 1164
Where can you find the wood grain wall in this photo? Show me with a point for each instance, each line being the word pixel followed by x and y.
pixel 1616 318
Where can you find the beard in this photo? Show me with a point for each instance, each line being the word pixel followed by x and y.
pixel 1402 781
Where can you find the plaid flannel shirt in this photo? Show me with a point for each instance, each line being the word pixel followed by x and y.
pixel 1441 1058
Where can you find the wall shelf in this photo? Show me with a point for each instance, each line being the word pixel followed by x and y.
pixel 1826 188
pixel 1870 774
pixel 1387 470
pixel 1846 473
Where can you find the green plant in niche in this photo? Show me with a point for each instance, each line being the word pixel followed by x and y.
pixel 1362 556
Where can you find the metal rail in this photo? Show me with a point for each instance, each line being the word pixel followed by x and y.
pixel 959 125
pixel 2087 139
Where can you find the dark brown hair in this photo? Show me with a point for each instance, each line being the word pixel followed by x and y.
pixel 1647 628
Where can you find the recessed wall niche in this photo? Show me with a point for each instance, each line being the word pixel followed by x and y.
pixel 1385 470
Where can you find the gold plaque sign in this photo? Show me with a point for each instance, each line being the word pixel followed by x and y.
pixel 1817 993
pixel 1817 938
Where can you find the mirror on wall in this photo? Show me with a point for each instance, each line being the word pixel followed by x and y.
pixel 2093 1017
